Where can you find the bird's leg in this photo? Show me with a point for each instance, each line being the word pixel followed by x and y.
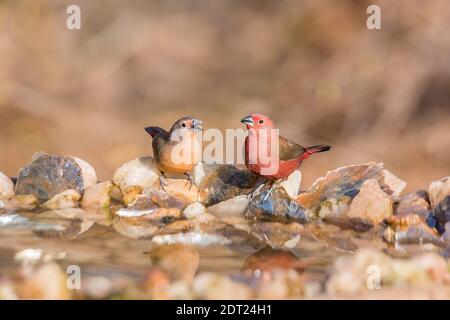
pixel 258 189
pixel 162 181
pixel 274 185
pixel 190 179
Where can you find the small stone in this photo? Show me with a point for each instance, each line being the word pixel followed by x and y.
pixel 134 229
pixel 158 216
pixel 342 182
pixel 334 207
pixel 6 187
pixel 268 260
pixel 87 171
pixel 63 200
pixel 391 184
pixel 439 190
pixel 194 210
pixel 161 199
pixel 168 258
pixel 131 193
pixel 277 235
pixel 25 202
pixel 446 235
pixel 371 203
pixel 47 282
pixel 192 238
pixel 223 182
pixel 277 207
pixel 415 203
pixel 350 273
pixel 97 196
pixel 280 284
pixel 292 183
pixel 116 194
pixel 48 175
pixel 215 286
pixel 141 172
pixel 442 214
pixel 234 207
pixel 181 189
pixel 418 234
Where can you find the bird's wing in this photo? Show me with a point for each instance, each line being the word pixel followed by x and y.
pixel 289 150
pixel 159 142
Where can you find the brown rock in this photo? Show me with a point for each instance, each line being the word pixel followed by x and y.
pixel 344 182
pixel 6 187
pixel 97 196
pixel 168 258
pixel 66 199
pixel 438 190
pixel 415 203
pixel 223 182
pixel 47 282
pixel 48 175
pixel 277 207
pixel 371 203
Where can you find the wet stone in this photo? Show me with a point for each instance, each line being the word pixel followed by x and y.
pixel 134 229
pixel 6 187
pixel 46 282
pixel 194 210
pixel 48 175
pixel 418 234
pixel 268 259
pixel 66 199
pixel 223 182
pixel 415 203
pixel 168 258
pixel 234 207
pixel 276 207
pixel 339 185
pixel 181 189
pixel 141 172
pixel 391 184
pixel 371 203
pixel 439 190
pixel 277 235
pixel 97 196
pixel 192 238
pixel 442 214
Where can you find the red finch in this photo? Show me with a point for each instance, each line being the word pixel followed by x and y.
pixel 270 155
pixel 178 150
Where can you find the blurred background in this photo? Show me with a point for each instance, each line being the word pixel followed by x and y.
pixel 313 66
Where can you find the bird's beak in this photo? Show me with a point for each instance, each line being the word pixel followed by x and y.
pixel 248 121
pixel 197 125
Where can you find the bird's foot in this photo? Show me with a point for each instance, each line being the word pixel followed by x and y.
pixel 191 180
pixel 163 183
pixel 274 185
pixel 269 192
pixel 257 190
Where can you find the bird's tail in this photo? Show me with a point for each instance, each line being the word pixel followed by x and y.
pixel 315 149
pixel 153 131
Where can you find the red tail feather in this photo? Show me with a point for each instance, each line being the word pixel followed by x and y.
pixel 314 149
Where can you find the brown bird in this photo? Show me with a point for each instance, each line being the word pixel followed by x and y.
pixel 178 150
pixel 277 164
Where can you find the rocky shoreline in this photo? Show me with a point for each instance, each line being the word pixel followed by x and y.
pixel 356 214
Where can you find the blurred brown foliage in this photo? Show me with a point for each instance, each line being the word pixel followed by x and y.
pixel 312 65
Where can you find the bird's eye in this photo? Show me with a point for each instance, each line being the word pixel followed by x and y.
pixel 261 121
pixel 183 124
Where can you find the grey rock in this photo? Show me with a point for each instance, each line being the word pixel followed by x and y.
pixel 277 207
pixel 48 175
pixel 223 182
